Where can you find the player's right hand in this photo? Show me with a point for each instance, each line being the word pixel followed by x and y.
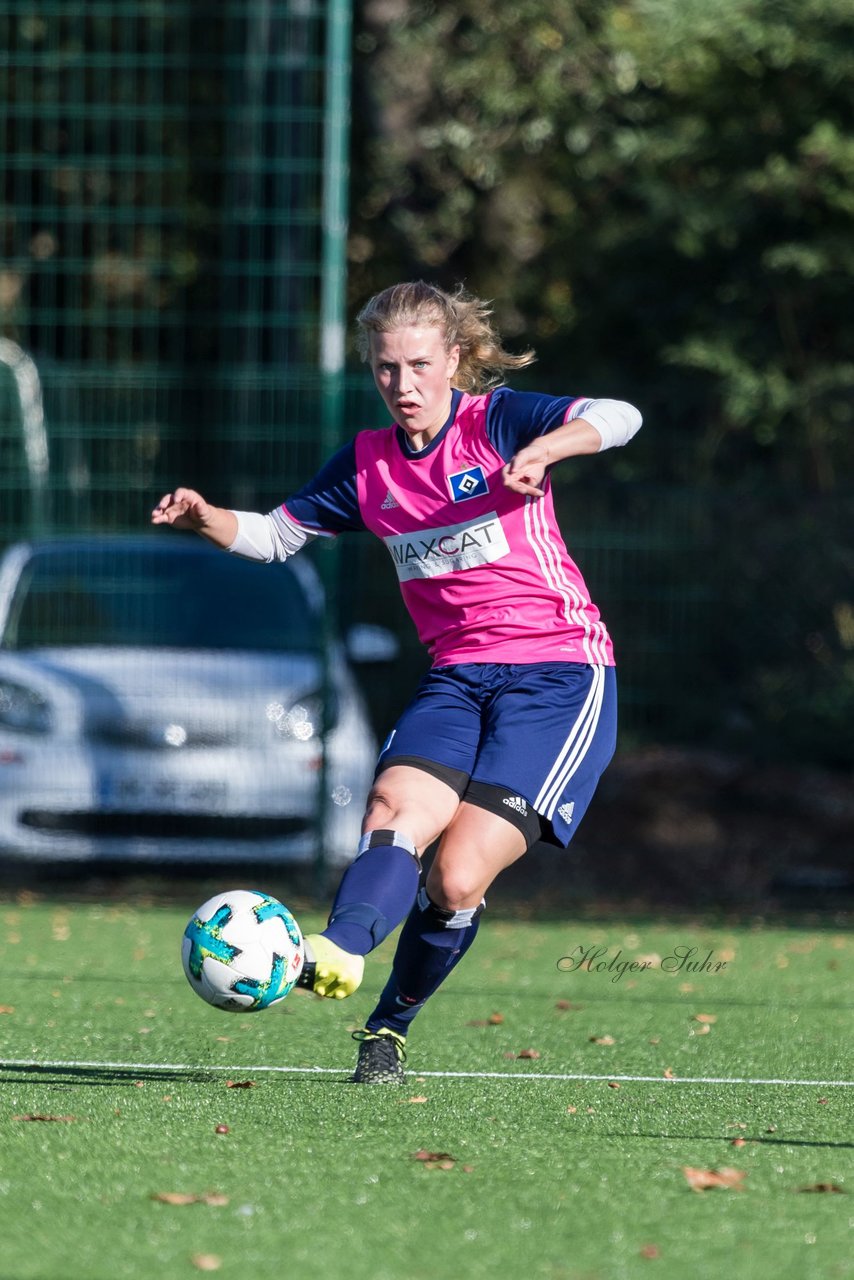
pixel 185 509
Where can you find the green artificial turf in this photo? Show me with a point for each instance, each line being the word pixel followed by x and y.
pixel 562 1179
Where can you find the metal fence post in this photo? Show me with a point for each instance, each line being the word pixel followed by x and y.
pixel 332 338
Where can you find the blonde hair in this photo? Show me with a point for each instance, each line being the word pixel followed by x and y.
pixel 463 319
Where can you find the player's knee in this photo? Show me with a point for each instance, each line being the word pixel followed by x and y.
pixel 453 888
pixel 380 807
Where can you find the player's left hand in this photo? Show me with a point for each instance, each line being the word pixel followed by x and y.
pixel 526 470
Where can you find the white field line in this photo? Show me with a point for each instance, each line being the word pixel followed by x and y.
pixel 239 1070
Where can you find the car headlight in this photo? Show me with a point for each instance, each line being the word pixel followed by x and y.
pixel 22 709
pixel 301 721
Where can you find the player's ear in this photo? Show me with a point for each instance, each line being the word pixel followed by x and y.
pixel 453 360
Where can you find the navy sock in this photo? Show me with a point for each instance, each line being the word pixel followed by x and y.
pixel 432 942
pixel 375 893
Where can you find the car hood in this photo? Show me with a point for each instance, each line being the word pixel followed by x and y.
pixel 168 697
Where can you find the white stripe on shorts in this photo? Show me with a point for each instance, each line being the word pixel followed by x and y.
pixel 575 748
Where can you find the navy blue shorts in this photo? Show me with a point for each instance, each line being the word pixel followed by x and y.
pixel 544 731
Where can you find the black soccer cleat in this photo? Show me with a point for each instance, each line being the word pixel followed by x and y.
pixel 380 1056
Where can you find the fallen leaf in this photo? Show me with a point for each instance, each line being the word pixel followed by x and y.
pixel 703 1179
pixel 494 1020
pixel 612 1084
pixel 419 1097
pixel 669 1073
pixel 655 1040
pixel 240 1084
pixel 528 1053
pixel 822 1102
pixel 48 1119
pixel 7 1008
pixel 602 1040
pixel 650 1251
pixel 435 1159
pixel 567 1004
pixel 824 1187
pixel 214 1198
pixel 738 1142
pixel 206 1261
pixel 772 1128
pixel 704 1017
pixel 222 1128
pixel 467 1168
pixel 701 1031
pixel 572 1110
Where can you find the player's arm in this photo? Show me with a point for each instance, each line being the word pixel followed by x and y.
pixel 187 509
pixel 599 425
pixel 247 534
pixel 324 507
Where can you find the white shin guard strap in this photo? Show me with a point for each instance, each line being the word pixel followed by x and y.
pixel 448 919
pixel 375 839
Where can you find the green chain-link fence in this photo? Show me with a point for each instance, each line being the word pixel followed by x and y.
pixel 161 250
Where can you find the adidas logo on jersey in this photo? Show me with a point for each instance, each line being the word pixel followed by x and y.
pixel 389 502
pixel 517 803
pixel 566 811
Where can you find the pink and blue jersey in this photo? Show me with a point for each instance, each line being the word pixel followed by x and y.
pixel 483 571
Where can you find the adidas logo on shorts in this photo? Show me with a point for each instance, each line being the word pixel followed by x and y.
pixel 517 803
pixel 566 811
pixel 389 502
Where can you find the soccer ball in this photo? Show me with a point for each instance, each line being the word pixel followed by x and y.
pixel 242 951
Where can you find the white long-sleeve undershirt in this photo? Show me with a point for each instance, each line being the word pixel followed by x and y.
pixel 615 420
pixel 268 537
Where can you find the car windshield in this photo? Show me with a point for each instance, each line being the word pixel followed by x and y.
pixel 166 598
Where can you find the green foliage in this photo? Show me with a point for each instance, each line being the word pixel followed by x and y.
pixel 665 188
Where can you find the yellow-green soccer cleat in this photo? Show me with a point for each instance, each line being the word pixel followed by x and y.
pixel 329 970
pixel 380 1056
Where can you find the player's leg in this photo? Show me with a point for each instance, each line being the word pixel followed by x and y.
pixel 406 811
pixel 422 771
pixel 553 736
pixel 443 923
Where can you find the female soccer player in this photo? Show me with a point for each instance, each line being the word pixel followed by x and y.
pixel 507 735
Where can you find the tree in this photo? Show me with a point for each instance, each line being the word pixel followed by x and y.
pixel 663 189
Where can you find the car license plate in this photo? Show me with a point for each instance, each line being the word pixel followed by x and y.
pixel 179 794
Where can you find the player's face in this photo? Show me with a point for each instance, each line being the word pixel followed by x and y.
pixel 413 373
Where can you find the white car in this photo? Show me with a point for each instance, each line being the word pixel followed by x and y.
pixel 161 700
